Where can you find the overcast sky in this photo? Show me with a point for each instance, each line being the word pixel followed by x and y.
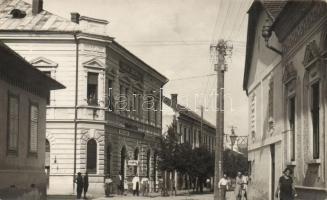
pixel 174 36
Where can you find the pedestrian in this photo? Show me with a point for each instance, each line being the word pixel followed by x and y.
pixel 238 186
pixel 223 186
pixel 107 183
pixel 285 189
pixel 85 184
pixel 120 185
pixel 79 183
pixel 145 186
pixel 136 185
pixel 245 180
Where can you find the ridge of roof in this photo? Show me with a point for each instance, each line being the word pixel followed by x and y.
pixel 45 20
pixel 187 111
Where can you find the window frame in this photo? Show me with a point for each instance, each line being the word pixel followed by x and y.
pixel 292 132
pixel 96 103
pixel 9 150
pixel 316 154
pixel 96 158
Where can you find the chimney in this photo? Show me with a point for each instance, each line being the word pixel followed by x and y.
pixel 74 17
pixel 174 101
pixel 37 6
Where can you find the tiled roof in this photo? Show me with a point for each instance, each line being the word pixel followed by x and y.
pixel 188 112
pixel 274 7
pixel 44 21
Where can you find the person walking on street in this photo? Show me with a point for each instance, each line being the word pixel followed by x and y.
pixel 245 179
pixel 120 184
pixel 85 184
pixel 285 189
pixel 79 183
pixel 238 186
pixel 136 185
pixel 223 186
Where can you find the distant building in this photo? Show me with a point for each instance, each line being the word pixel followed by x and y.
pixel 287 96
pixel 23 94
pixel 86 129
pixel 188 128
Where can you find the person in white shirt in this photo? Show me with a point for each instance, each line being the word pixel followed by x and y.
pixel 223 186
pixel 136 185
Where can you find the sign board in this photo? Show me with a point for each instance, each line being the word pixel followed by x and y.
pixel 132 162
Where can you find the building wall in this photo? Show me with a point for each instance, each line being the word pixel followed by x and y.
pixel 291 76
pixel 19 171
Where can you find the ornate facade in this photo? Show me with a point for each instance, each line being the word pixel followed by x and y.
pixel 299 97
pixel 109 112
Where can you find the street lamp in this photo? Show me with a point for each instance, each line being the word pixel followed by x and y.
pixel 266 34
pixel 233 138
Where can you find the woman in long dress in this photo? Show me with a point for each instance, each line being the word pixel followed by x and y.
pixel 285 189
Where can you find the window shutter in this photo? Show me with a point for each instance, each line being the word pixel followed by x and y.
pixel 13 122
pixel 34 128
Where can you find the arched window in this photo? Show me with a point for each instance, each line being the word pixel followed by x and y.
pixel 136 157
pixel 91 163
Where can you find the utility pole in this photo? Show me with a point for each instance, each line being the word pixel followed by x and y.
pixel 222 49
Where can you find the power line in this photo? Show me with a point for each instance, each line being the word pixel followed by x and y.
pixel 216 21
pixel 192 77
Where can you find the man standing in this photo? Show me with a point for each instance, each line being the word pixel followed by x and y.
pixel 223 186
pixel 79 183
pixel 86 184
pixel 238 186
pixel 136 185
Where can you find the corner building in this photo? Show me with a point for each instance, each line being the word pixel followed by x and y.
pixel 85 130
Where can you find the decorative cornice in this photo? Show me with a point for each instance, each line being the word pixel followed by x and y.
pixel 316 13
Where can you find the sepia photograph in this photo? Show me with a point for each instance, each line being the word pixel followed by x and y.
pixel 163 99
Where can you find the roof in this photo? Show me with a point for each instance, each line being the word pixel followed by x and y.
pixel 17 68
pixel 49 22
pixel 186 111
pixel 273 9
pixel 44 21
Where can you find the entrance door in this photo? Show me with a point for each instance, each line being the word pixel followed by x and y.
pixel 122 163
pixel 272 174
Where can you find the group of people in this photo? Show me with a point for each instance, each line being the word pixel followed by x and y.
pixel 241 183
pixel 82 184
pixel 138 185
pixel 285 189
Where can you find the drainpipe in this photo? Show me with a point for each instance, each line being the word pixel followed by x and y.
pixel 76 101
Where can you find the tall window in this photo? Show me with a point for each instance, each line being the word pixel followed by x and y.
pixel 47 157
pixel 48 73
pixel 92 88
pixel 156 110
pixel 291 120
pixel 110 96
pixel 34 122
pixel 91 161
pixel 184 137
pixel 315 118
pixel 136 157
pixel 13 123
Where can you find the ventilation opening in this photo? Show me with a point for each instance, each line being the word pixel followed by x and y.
pixel 18 14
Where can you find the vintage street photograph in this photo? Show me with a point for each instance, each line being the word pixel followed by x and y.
pixel 163 99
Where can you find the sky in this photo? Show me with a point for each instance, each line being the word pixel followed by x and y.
pixel 174 37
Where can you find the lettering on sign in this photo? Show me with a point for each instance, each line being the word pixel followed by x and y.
pixel 132 162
